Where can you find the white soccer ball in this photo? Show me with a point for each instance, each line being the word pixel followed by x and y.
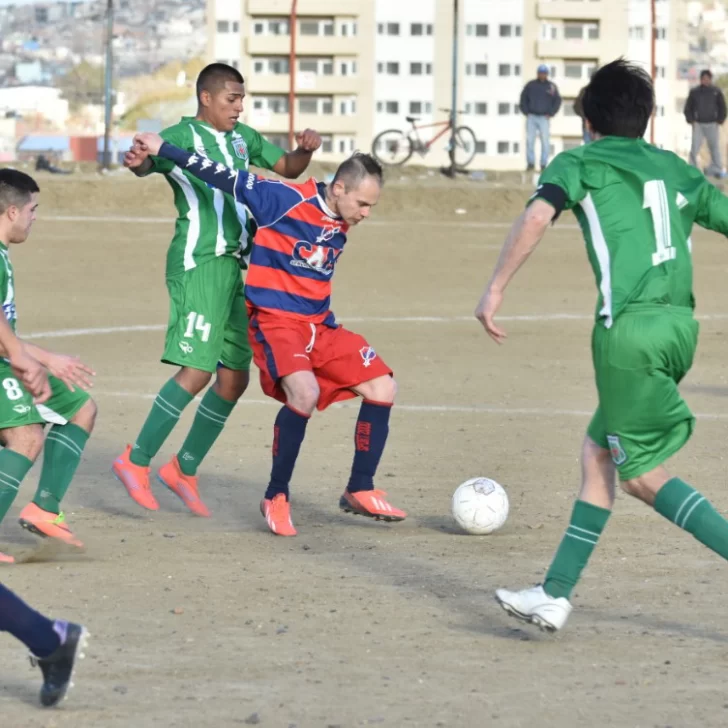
pixel 480 506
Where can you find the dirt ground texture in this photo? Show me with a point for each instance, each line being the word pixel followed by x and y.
pixel 218 623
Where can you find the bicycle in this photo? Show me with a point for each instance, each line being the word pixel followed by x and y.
pixel 390 144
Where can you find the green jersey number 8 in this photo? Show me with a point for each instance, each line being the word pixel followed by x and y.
pixel 656 202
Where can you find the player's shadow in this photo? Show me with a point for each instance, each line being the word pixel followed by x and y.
pixel 17 690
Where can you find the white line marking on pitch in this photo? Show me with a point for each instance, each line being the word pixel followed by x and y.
pixel 407 223
pixel 472 409
pixel 546 317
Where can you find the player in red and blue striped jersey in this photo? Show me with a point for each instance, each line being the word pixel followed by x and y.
pixel 305 358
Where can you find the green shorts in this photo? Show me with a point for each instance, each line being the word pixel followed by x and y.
pixel 208 320
pixel 638 362
pixel 17 408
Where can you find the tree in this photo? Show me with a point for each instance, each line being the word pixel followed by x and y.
pixel 83 84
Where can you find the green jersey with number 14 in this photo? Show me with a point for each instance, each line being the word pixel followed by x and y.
pixel 209 223
pixel 636 206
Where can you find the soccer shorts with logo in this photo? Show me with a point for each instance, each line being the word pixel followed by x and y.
pixel 639 362
pixel 340 359
pixel 208 320
pixel 17 408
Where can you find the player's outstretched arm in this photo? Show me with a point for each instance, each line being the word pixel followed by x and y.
pixel 712 208
pixel 522 240
pixel 28 369
pixel 292 164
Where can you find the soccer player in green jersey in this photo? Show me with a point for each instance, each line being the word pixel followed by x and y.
pixel 636 205
pixel 22 417
pixel 208 321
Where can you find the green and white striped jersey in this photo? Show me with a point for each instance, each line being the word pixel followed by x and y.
pixel 209 223
pixel 636 206
pixel 7 286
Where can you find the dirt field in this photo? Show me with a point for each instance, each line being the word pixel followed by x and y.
pixel 356 623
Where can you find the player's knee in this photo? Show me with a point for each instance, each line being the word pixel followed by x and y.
pixel 192 380
pixel 26 441
pixel 637 488
pixel 304 396
pixel 381 389
pixel 85 418
pixel 230 384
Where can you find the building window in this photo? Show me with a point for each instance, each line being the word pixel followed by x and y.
pixel 504 69
pixel 390 68
pixel 327 144
pixel 388 28
pixel 504 147
pixel 315 105
pixel 637 32
pixel 581 31
pixel 660 33
pixel 480 147
pixel 274 104
pixel 660 72
pixel 476 69
pixel 480 108
pixel 579 69
pixel 388 107
pixel 504 109
pixel 316 27
pixel 568 107
pixel 270 26
pixel 505 31
pixel 223 26
pixel 419 29
pixel 420 69
pixel 479 30
pixel 273 65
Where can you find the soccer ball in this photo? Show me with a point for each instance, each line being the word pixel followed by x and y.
pixel 480 506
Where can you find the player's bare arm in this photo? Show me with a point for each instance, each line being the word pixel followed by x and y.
pixel 28 369
pixel 294 163
pixel 522 240
pixel 69 369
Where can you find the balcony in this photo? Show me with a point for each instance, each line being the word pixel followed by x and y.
pixel 569 87
pixel 569 49
pixel 305 83
pixel 306 45
pixel 323 123
pixel 307 8
pixel 573 10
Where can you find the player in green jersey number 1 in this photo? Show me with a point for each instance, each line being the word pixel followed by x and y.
pixel 208 324
pixel 636 205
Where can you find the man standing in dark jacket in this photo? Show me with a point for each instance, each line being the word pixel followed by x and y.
pixel 540 100
pixel 705 111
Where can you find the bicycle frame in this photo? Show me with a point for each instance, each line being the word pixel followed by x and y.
pixel 426 145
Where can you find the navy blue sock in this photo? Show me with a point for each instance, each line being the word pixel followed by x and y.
pixel 370 437
pixel 34 630
pixel 288 433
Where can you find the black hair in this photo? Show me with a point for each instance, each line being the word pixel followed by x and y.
pixel 354 169
pixel 706 72
pixel 16 188
pixel 619 100
pixel 214 77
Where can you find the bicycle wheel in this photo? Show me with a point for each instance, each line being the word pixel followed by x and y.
pixel 464 146
pixel 391 148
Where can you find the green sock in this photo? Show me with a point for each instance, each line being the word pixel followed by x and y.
pixel 166 411
pixel 13 468
pixel 209 421
pixel 582 535
pixel 62 452
pixel 685 507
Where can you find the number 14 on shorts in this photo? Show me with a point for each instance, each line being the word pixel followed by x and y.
pixel 196 322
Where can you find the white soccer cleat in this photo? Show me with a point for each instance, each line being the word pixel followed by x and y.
pixel 534 605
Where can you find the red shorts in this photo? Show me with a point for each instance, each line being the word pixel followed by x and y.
pixel 340 359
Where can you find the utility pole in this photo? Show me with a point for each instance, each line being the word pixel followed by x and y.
pixel 108 82
pixel 653 67
pixel 454 102
pixel 292 76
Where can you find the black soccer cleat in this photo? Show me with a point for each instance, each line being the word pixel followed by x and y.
pixel 57 668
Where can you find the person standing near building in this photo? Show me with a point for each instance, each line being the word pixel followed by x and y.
pixel 705 111
pixel 540 100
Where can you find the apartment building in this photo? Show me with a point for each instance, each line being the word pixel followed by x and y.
pixel 362 66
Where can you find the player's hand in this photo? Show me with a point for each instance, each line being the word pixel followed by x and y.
pixel 135 157
pixel 485 312
pixel 32 374
pixel 71 371
pixel 149 141
pixel 308 140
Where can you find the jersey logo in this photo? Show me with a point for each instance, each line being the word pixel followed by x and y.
pixel 619 456
pixel 9 311
pixel 240 147
pixel 328 232
pixel 21 409
pixel 681 201
pixel 368 355
pixel 319 258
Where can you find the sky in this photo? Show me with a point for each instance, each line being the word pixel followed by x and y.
pixel 5 3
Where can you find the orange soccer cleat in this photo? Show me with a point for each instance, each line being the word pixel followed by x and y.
pixel 47 525
pixel 6 558
pixel 135 478
pixel 184 486
pixel 277 512
pixel 370 503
